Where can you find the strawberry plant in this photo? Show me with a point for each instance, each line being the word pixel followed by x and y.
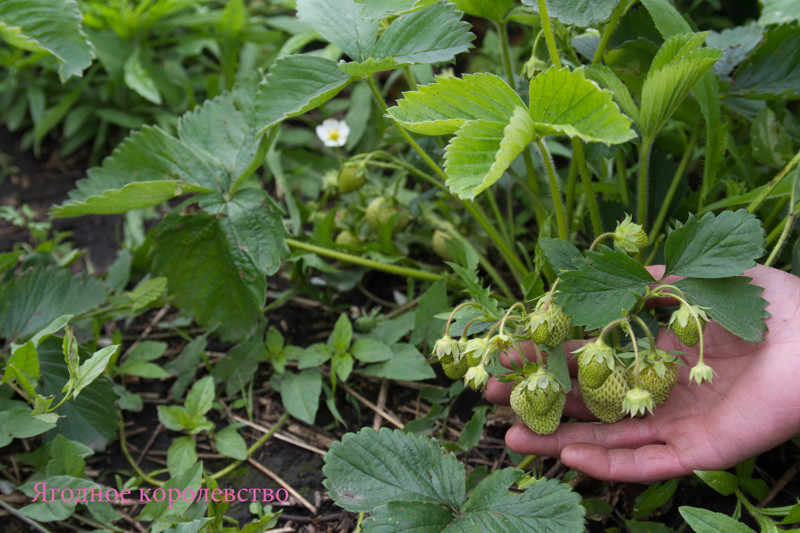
pixel 561 201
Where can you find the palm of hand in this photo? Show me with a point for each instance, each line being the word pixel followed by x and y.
pixel 752 405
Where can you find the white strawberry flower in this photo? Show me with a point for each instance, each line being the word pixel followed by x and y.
pixel 333 133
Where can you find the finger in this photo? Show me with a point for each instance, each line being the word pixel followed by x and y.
pixel 653 462
pixel 627 433
pixel 529 351
pixel 498 392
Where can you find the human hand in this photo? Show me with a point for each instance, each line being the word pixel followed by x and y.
pixel 752 405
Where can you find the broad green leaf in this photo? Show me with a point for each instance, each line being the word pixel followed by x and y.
pixel 433 35
pixel 371 351
pixel 773 70
pixel 25 360
pixel 607 284
pixel 368 66
pixel 428 328
pixel 139 80
pixel 557 364
pixel 482 151
pixel 655 496
pixel 547 505
pixel 340 22
pixel 734 303
pixel 240 242
pixel 705 521
pixel 93 367
pixel 470 436
pixel 200 397
pixel 52 27
pixel 90 418
pixel 131 196
pixel 442 107
pixel 146 292
pixel 174 417
pixel 407 364
pixel 294 85
pixel 723 482
pixel 490 9
pixel 408 517
pixel 716 246
pixel 563 102
pixel 607 79
pixel 369 468
pixel 342 364
pixel 736 44
pixel 559 253
pixel 584 13
pixel 675 70
pixel 189 479
pixel 668 20
pixel 779 12
pixel 181 455
pixel 230 443
pixel 770 143
pixel 300 393
pixel 41 295
pixel 380 9
pixel 19 423
pixel 62 508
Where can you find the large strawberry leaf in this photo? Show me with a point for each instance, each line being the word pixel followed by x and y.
pixel 779 12
pixel 297 84
pixel 38 296
pixel 380 9
pixel 409 483
pixel 215 144
pixel 563 102
pixel 341 23
pixel 490 9
pixel 584 13
pixel 52 27
pixel 715 246
pixel 217 259
pixel 606 285
pixel 773 70
pixel 442 107
pixel 481 152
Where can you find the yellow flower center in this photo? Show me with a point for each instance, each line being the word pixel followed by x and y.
pixel 334 135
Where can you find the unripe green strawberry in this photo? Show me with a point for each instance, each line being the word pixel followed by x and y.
pixel 595 362
pixel 439 244
pixel 629 236
pixel 684 324
pixel 475 350
pixel 605 401
pixel 348 239
pixel 455 369
pixel 548 323
pixel 657 375
pixel 380 212
pixel 539 400
pixel 351 177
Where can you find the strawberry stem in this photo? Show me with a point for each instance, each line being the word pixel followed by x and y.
pixel 450 319
pixel 635 349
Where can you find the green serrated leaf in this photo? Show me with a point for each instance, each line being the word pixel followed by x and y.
pixel 135 195
pixel 139 80
pixel 547 505
pixel 715 246
pixel 433 35
pixel 380 9
pixel 340 22
pixel 583 13
pixel 367 67
pixel 482 151
pixel 779 12
pixel 734 303
pixel 408 517
pixel 559 253
pixel 442 107
pixel 369 468
pixel 41 295
pixel 622 95
pixel 736 44
pixel 563 102
pixel 240 240
pixel 772 72
pixel 24 360
pixel 295 85
pixel 676 69
pixel 49 26
pixel 371 351
pixel 300 393
pixel 607 284
pixel 174 417
pixel 705 521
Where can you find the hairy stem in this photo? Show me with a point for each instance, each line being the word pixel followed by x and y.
pixel 548 33
pixel 558 206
